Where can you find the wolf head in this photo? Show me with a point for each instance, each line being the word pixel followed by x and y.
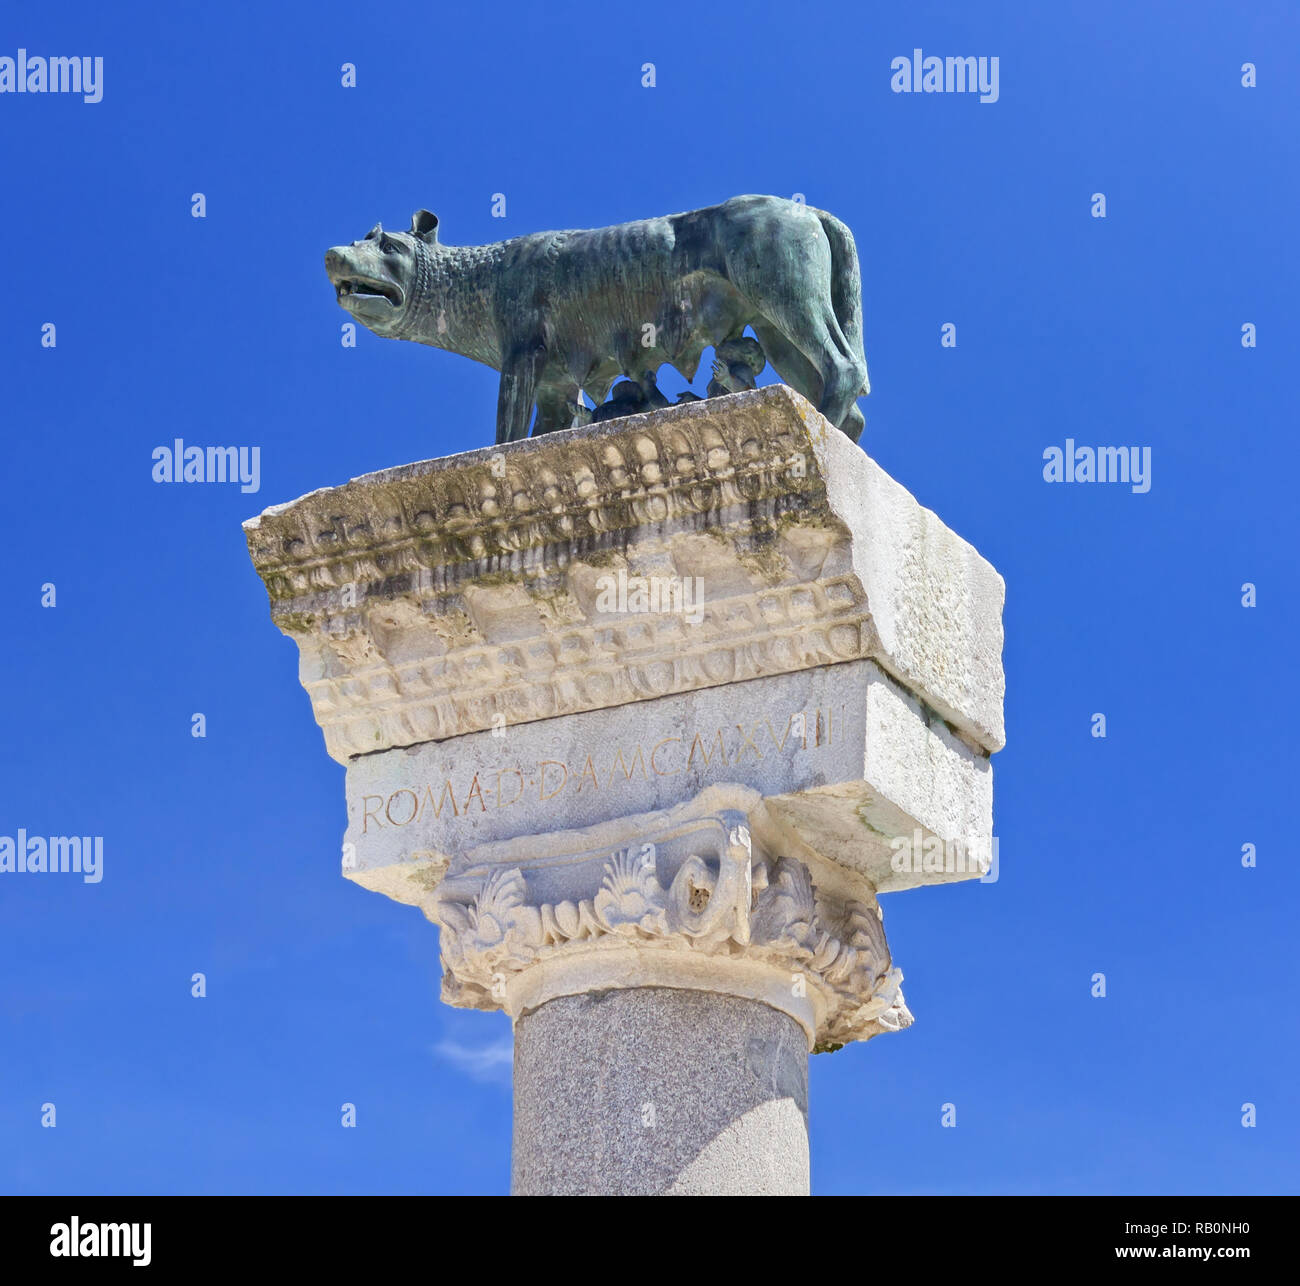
pixel 378 279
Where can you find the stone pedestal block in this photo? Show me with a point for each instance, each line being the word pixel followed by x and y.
pixel 645 716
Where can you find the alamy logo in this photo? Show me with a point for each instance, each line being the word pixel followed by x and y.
pixel 23 75
pixel 922 854
pixel 934 75
pixel 678 595
pixel 1099 464
pixel 57 854
pixel 76 1240
pixel 179 463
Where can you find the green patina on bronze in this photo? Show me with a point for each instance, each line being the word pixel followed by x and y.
pixel 559 313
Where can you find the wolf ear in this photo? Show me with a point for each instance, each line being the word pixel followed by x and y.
pixel 425 226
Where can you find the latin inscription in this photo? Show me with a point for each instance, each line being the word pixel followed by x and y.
pixel 707 753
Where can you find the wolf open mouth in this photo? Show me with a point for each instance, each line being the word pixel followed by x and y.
pixel 370 288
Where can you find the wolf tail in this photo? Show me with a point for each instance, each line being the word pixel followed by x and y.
pixel 846 286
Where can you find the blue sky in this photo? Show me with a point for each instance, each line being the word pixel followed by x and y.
pixel 1120 855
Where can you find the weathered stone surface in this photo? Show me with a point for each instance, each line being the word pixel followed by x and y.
pixel 654 1091
pixel 935 602
pixel 843 753
pixel 456 595
pixel 707 794
pixel 689 897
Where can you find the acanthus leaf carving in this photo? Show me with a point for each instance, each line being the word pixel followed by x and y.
pixel 631 897
pixel 730 903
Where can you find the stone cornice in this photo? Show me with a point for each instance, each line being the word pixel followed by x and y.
pixel 457 595
pixel 484 512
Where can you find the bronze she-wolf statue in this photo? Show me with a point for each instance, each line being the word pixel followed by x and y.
pixel 559 312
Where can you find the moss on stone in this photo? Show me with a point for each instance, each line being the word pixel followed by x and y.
pixel 296 622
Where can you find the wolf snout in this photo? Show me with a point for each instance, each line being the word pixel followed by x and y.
pixel 335 262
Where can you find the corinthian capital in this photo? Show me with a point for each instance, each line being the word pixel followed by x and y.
pixel 684 898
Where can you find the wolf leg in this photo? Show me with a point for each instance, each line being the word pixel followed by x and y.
pixel 520 373
pixel 844 376
pixel 804 377
pixel 787 361
pixel 557 408
pixel 790 275
pixel 816 334
pixel 853 423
